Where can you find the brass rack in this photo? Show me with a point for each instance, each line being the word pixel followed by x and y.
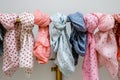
pixel 58 73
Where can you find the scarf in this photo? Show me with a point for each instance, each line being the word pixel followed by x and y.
pixel 11 44
pixel 26 42
pixel 42 43
pixel 2 34
pixel 117 34
pixel 78 35
pixel 106 45
pixel 60 44
pixel 90 66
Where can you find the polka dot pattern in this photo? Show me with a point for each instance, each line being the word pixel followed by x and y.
pixel 26 42
pixel 11 43
pixel 90 66
pixel 106 45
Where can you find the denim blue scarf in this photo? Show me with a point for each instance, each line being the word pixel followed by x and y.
pixel 78 35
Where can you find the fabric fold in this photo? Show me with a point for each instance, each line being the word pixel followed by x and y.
pixel 78 35
pixel 10 44
pixel 117 35
pixel 106 45
pixel 60 44
pixel 2 34
pixel 26 42
pixel 42 43
pixel 90 66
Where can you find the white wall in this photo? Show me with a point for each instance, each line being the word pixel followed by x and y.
pixel 43 72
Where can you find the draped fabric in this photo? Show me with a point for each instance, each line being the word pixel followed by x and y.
pixel 2 34
pixel 90 66
pixel 60 44
pixel 42 43
pixel 117 34
pixel 11 44
pixel 106 45
pixel 78 35
pixel 26 42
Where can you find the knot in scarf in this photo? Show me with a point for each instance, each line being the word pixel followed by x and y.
pixel 89 67
pixel 9 23
pixel 41 19
pixel 106 45
pixel 42 43
pixel 61 45
pixel 91 22
pixel 78 35
pixel 59 21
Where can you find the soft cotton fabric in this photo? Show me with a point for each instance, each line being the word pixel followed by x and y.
pixel 106 45
pixel 117 35
pixel 90 66
pixel 42 43
pixel 26 42
pixel 2 34
pixel 60 44
pixel 78 35
pixel 11 46
pixel 117 31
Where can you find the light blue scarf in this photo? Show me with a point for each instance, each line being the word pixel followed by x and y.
pixel 60 44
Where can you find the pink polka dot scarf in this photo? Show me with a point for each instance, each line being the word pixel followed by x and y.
pixel 106 45
pixel 117 33
pixel 90 66
pixel 42 43
pixel 27 42
pixel 11 46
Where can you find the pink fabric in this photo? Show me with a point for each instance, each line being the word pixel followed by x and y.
pixel 117 17
pixel 117 33
pixel 90 66
pixel 26 42
pixel 11 46
pixel 42 43
pixel 106 45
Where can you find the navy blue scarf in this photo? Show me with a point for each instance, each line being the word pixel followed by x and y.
pixel 2 34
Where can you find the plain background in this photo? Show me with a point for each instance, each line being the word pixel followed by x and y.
pixel 51 7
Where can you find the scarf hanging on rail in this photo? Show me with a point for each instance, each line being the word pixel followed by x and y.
pixel 90 66
pixel 11 43
pixel 106 45
pixel 117 34
pixel 78 35
pixel 42 43
pixel 27 42
pixel 60 44
pixel 2 34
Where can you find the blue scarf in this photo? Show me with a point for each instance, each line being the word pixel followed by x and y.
pixel 2 34
pixel 60 44
pixel 78 35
